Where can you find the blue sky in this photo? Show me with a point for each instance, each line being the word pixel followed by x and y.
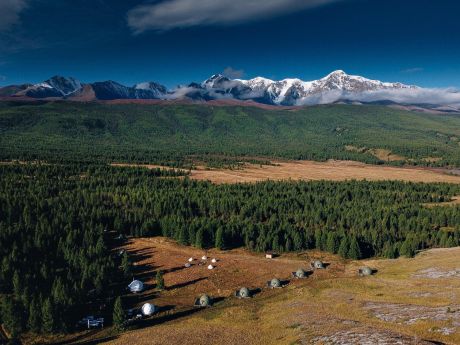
pixel 178 41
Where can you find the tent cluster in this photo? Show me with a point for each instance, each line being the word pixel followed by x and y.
pixel 203 261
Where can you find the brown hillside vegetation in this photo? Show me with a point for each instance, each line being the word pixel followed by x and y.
pixel 311 170
pixel 406 302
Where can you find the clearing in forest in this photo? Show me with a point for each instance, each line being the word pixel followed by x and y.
pixel 312 170
pixel 400 304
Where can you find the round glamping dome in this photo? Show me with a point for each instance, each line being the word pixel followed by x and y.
pixel 365 271
pixel 149 309
pixel 300 273
pixel 136 286
pixel 244 292
pixel 318 264
pixel 275 283
pixel 204 301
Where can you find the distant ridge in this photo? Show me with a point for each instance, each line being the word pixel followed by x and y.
pixel 336 87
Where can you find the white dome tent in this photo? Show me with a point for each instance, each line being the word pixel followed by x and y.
pixel 136 286
pixel 149 309
pixel 214 260
pixel 204 258
pixel 210 267
pixel 190 260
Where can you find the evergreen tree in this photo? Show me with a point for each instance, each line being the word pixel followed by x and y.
pixel 160 280
pixel 12 316
pixel 219 239
pixel 354 252
pixel 119 317
pixel 48 322
pixel 318 239
pixel 331 244
pixel 199 239
pixel 126 266
pixel 33 323
pixel 343 248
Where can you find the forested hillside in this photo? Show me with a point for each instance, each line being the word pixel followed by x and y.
pixel 171 133
pixel 57 223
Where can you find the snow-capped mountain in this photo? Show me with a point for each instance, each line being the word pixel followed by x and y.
pixel 296 91
pixel 335 87
pixel 70 88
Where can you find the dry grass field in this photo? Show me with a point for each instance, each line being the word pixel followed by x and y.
pixel 311 170
pixel 408 301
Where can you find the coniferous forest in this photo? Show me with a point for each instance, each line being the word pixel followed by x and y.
pixel 58 225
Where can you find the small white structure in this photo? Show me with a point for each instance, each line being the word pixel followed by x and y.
pixel 214 260
pixel 190 260
pixel 149 309
pixel 270 255
pixel 136 286
pixel 204 257
pixel 188 265
pixel 210 267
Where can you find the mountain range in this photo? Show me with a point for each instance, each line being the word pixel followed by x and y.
pixel 337 86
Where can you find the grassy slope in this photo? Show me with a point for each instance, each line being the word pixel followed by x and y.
pixel 319 132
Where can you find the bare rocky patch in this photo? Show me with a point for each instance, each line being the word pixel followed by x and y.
pixel 367 336
pixel 436 273
pixel 410 314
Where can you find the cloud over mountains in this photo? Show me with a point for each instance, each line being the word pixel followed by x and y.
pixel 170 14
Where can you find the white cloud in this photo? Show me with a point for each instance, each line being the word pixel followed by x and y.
pixel 172 14
pixel 9 12
pixel 413 70
pixel 403 96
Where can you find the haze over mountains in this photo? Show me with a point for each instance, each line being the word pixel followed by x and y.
pixel 335 87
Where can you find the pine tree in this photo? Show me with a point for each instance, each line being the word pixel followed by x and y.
pixel 318 241
pixel 12 316
pixel 354 252
pixel 126 265
pixel 199 239
pixel 160 280
pixel 48 322
pixel 343 248
pixel 119 317
pixel 33 323
pixel 219 239
pixel 331 244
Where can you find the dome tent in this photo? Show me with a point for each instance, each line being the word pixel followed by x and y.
pixel 300 273
pixel 244 292
pixel 136 286
pixel 203 301
pixel 317 264
pixel 365 271
pixel 149 309
pixel 274 283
